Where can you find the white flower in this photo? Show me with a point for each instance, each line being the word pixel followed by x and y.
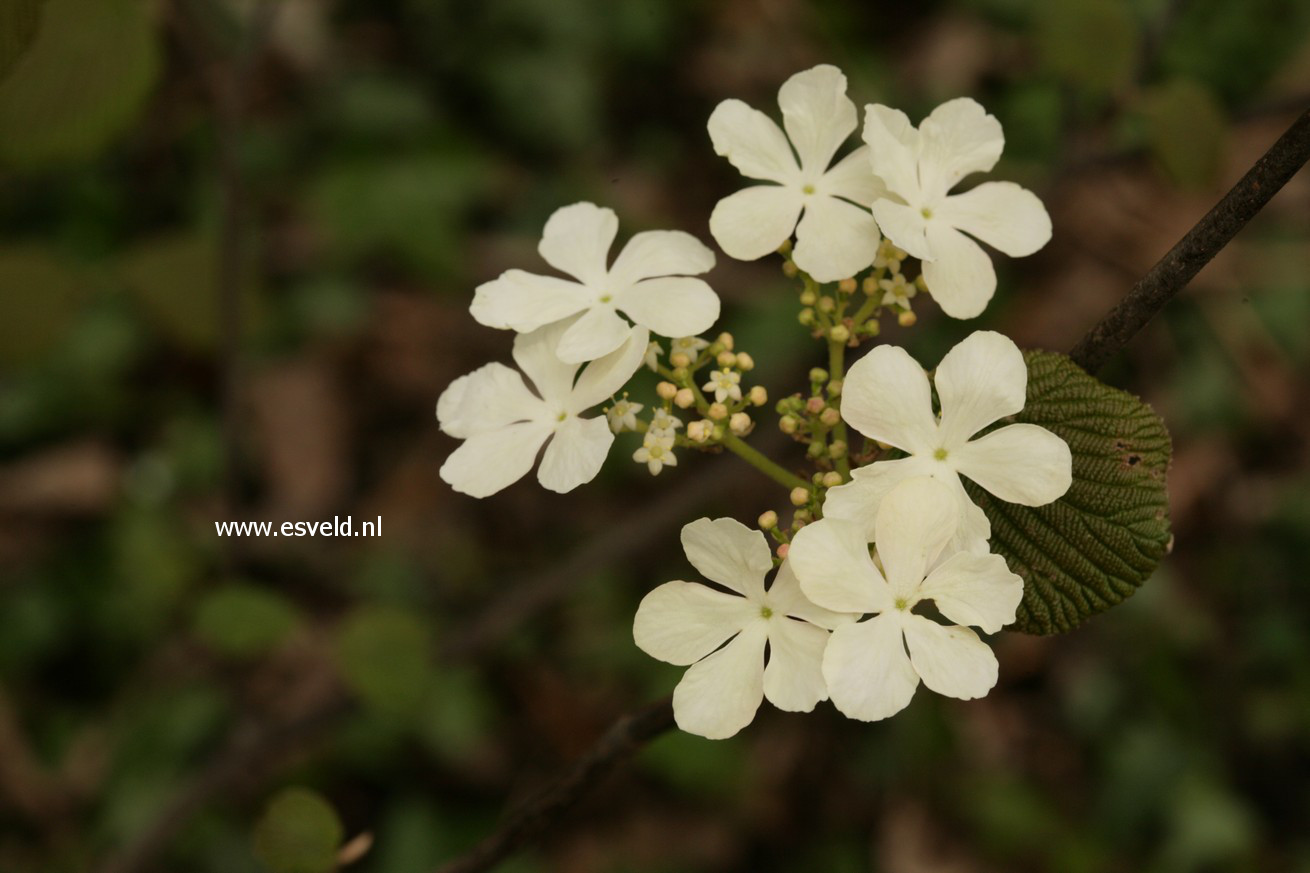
pixel 888 256
pixel 623 415
pixel 652 359
pixel 725 384
pixel 663 421
pixel 688 345
pixel 686 623
pixel 837 236
pixel 656 451
pixel 504 424
pixel 649 282
pixel 896 291
pixel 865 666
pixel 886 397
pixel 919 167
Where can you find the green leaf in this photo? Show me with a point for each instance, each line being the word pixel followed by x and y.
pixel 1092 548
pixel 19 22
pixel 243 621
pixel 1185 127
pixel 298 833
pixel 1092 44
pixel 81 82
pixel 385 656
pixel 39 299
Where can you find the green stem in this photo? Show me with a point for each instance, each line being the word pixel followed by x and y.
pixel 761 462
pixel 836 364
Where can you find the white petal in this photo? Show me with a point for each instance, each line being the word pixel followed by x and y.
pixel 957 139
pixel 536 356
pixel 886 397
pixel 575 455
pixel 754 222
pixel 492 460
pixel 835 239
pixel 526 301
pixel 726 551
pixel 682 622
pixel 597 333
pixel 893 151
pixel 1019 463
pixel 916 521
pixel 905 226
pixel 868 673
pixel 793 679
pixel 852 178
pixel 974 529
pixel 980 381
pixel 817 114
pixel 660 253
pixel 950 660
pixel 976 590
pixel 719 695
pixel 752 142
pixel 831 559
pixel 672 306
pixel 489 398
pixel 577 241
pixel 858 500
pixel 786 598
pixel 1001 214
pixel 603 377
pixel 960 275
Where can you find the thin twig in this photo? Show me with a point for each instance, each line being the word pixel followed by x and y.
pixel 619 743
pixel 1172 272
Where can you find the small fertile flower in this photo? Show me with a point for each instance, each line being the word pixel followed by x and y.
pixel 663 421
pixel 623 415
pixel 887 398
pixel 866 667
pixel 837 236
pixel 889 256
pixel 919 168
pixel 656 451
pixel 652 358
pixel 896 291
pixel 724 384
pixel 686 623
pixel 688 345
pixel 650 282
pixel 504 424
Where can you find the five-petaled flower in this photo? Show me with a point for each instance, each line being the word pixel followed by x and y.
pixel 504 424
pixel 623 415
pixel 837 236
pixel 887 398
pixel 897 291
pixel 650 282
pixel 656 451
pixel 725 384
pixel 919 168
pixel 686 623
pixel 868 673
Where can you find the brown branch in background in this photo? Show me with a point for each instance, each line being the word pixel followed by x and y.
pixel 617 744
pixel 1196 249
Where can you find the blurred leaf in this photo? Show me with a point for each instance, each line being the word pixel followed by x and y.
pixel 458 715
pixel 1235 48
pixel 380 107
pixel 242 620
pixel 155 562
pixel 298 833
pixel 1091 548
pixel 1185 129
pixel 1031 114
pixel 1092 44
pixel 38 300
pixel 1209 829
pixel 81 83
pixel 175 280
pixel 19 22
pixel 385 656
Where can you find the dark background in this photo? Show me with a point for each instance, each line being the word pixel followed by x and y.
pixel 161 689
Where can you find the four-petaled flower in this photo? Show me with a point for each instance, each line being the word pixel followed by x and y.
pixel 656 451
pixel 504 424
pixel 623 415
pixel 868 673
pixel 887 398
pixel 725 384
pixel 919 168
pixel 650 282
pixel 686 623
pixel 837 236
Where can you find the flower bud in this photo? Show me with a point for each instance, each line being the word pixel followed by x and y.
pixel 684 399
pixel 788 424
pixel 921 282
pixel 785 248
pixel 906 319
pixel 830 417
pixel 873 328
pixel 799 496
pixel 726 339
pixel 840 333
pixel 718 412
pixel 831 479
pixel 818 374
pixel 817 478
pixel 869 286
pixel 745 362
pixel 680 374
pixel 768 520
pixel 699 431
pixel 783 549
pixel 802 517
pixel 758 396
pixel 806 317
pixel 834 388
pixel 726 359
pixel 740 423
pixel 680 359
pixel 790 270
pixel 666 390
pixel 808 297
pixel 816 450
pixel 846 286
pixel 837 449
pixel 814 405
pixel 827 304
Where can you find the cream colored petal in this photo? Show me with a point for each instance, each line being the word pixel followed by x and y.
pixel 598 332
pixel 957 139
pixel 980 381
pixel 817 114
pixel 1001 214
pixel 672 306
pixel 682 622
pixel 831 560
pixel 793 679
pixel 977 590
pixel 852 179
pixel 786 598
pixel 754 222
pixel 726 551
pixel 835 239
pixel 886 397
pixel 858 501
pixel 719 696
pixel 575 454
pixel 489 398
pixel 893 151
pixel 905 226
pixel 654 253
pixel 753 143
pixel 577 241
pixel 960 276
pixel 536 355
pixel 869 676
pixel 603 377
pixel 951 660
pixel 525 301
pixel 1019 463
pixel 490 461
pixel 915 522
